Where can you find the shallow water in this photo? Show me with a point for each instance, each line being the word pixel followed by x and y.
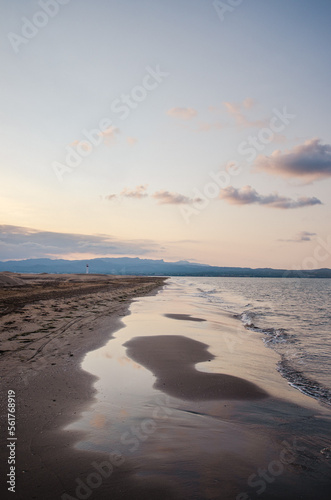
pixel 205 447
pixel 294 316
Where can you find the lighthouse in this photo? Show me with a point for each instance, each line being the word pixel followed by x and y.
pixel 86 268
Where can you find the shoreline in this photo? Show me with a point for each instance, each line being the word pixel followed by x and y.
pixel 155 405
pixel 216 425
pixel 52 389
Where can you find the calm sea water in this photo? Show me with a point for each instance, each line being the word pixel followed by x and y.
pixel 294 316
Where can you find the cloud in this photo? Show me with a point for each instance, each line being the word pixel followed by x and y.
pixel 248 196
pixel 109 134
pixel 206 127
pixel 248 103
pixel 236 111
pixel 131 141
pixel 22 243
pixel 110 197
pixel 163 197
pixel 139 192
pixel 167 198
pixel 309 161
pixel 301 237
pixel 182 113
pixel 278 138
pixel 86 146
pixel 305 236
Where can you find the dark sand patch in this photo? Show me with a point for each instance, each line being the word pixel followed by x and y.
pixel 172 358
pixel 185 317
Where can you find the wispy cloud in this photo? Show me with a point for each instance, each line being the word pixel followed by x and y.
pixel 163 197
pixel 167 198
pixel 207 127
pixel 182 113
pixel 310 161
pixel 139 192
pixel 279 139
pixel 301 237
pixel 110 197
pixel 248 196
pixel 86 146
pixel 110 134
pixel 22 242
pixel 236 111
pixel 131 141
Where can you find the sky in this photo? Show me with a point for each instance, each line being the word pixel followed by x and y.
pixel 195 130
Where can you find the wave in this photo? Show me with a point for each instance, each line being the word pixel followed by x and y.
pixel 212 291
pixel 247 319
pixel 299 381
pixel 280 329
pixel 294 377
pixel 273 335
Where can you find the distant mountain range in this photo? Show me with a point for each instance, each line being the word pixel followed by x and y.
pixel 136 266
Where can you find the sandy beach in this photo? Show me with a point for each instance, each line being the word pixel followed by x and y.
pixel 48 323
pixel 138 419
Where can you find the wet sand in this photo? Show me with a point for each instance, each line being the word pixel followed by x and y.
pixel 172 359
pixel 183 317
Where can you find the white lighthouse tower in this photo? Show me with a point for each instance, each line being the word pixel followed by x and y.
pixel 86 268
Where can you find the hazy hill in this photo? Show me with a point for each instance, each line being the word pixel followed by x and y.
pixel 136 266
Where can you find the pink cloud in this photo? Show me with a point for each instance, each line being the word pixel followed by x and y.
pixel 309 161
pixel 131 141
pixel 139 192
pixel 248 196
pixel 236 112
pixel 182 113
pixel 167 198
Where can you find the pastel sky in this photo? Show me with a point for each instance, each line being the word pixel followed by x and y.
pixel 185 130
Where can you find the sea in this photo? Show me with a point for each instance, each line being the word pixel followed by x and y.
pixel 293 315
